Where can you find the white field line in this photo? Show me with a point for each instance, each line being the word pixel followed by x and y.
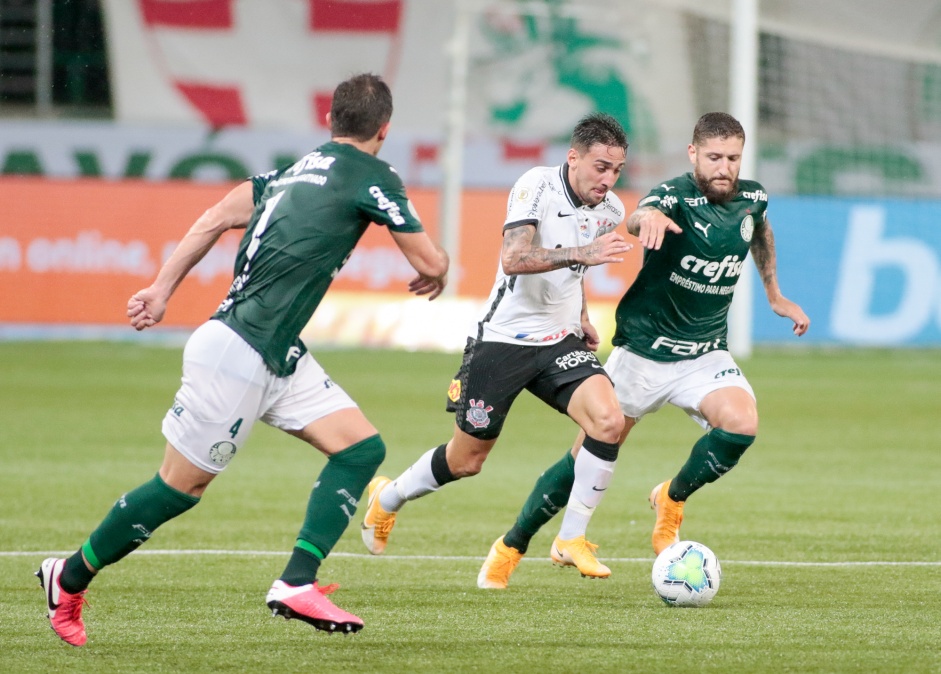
pixel 285 553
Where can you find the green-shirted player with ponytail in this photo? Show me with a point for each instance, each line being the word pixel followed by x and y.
pixel 671 327
pixel 248 363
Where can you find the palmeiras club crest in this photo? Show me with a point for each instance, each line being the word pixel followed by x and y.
pixel 478 414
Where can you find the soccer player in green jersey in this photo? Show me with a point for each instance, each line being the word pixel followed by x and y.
pixel 247 363
pixel 671 327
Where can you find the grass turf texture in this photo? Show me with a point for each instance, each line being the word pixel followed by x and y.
pixel 845 469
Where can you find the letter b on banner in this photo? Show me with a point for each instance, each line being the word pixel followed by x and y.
pixel 865 252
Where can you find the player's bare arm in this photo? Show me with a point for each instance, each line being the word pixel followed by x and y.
pixel 591 337
pixel 427 258
pixel 520 256
pixel 649 225
pixel 148 306
pixel 763 252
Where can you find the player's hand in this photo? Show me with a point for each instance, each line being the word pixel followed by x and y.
pixel 788 309
pixel 591 338
pixel 146 308
pixel 605 249
pixel 653 229
pixel 428 285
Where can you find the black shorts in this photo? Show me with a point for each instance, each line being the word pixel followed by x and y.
pixel 492 374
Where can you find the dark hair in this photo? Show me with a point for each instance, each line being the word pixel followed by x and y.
pixel 361 105
pixel 598 128
pixel 717 125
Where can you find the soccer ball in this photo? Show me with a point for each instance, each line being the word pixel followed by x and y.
pixel 686 574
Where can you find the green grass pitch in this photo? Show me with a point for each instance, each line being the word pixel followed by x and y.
pixel 829 530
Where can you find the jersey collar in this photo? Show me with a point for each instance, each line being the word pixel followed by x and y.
pixel 569 192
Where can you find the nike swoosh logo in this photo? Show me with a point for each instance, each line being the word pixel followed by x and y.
pixel 52 605
pixel 564 215
pixel 597 367
pixel 596 489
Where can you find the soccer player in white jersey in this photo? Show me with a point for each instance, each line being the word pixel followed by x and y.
pixel 534 334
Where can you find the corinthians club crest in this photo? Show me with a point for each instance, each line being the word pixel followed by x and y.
pixel 478 414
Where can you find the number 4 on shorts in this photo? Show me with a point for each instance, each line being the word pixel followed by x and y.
pixel 235 428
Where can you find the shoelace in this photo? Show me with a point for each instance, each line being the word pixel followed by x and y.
pixel 327 589
pixel 502 567
pixel 73 607
pixel 384 525
pixel 672 515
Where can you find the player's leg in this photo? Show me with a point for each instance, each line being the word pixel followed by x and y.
pixel 716 394
pixel 733 418
pixel 553 488
pixel 211 417
pixel 129 523
pixel 594 407
pixel 319 412
pixel 573 382
pixel 462 456
pixel 491 375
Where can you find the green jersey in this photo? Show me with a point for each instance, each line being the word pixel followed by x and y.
pixel 678 306
pixel 308 218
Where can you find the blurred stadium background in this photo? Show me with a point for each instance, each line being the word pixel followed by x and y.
pixel 122 119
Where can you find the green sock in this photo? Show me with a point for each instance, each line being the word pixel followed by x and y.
pixel 303 565
pixel 75 575
pixel 713 455
pixel 331 507
pixel 133 519
pixel 548 497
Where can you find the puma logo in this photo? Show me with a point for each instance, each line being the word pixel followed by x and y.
pixel 705 230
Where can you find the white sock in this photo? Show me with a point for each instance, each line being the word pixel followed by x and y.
pixel 592 477
pixel 414 483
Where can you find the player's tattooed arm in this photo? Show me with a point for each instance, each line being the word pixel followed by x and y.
pixel 763 252
pixel 521 256
pixel 650 225
pixel 635 219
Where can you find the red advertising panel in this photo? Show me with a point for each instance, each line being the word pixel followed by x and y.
pixel 73 252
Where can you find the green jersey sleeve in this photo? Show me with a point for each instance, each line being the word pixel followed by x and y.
pixel 386 203
pixel 260 182
pixel 661 199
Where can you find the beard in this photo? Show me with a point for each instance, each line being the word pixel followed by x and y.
pixel 714 194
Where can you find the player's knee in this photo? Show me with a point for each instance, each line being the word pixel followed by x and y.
pixel 607 426
pixel 368 452
pixel 467 466
pixel 741 424
pixel 466 457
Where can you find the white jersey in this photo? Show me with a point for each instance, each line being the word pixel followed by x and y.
pixel 544 308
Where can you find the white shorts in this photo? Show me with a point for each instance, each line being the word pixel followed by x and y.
pixel 644 386
pixel 227 387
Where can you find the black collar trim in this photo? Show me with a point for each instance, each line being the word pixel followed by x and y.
pixel 569 192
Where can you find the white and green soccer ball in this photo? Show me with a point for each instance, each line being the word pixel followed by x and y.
pixel 686 574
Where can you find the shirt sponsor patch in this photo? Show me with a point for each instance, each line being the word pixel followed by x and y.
pixel 454 390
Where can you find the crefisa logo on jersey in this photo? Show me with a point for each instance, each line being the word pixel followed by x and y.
pixel 478 414
pixel 748 227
